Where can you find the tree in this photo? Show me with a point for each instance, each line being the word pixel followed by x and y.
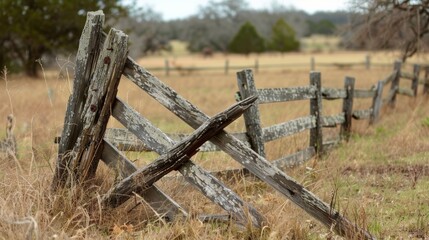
pixel 247 40
pixel 383 24
pixel 323 27
pixel 283 37
pixel 30 29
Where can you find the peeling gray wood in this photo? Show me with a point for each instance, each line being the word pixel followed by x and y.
pixel 316 138
pixel 346 127
pixel 377 102
pixel 415 79
pixel 272 95
pixel 362 114
pixel 176 156
pixel 96 111
pixel 159 202
pixel 395 83
pixel 88 51
pixel 295 159
pixel 405 91
pixel 332 121
pixel 332 93
pixel 288 128
pixel 360 93
pixel 252 119
pixel 256 164
pixel 209 185
pixel 124 140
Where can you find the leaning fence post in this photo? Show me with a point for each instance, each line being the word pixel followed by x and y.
pixel 316 138
pixel 426 81
pixel 349 85
pixel 88 51
pixel 377 101
pixel 246 85
pixel 395 83
pixel 415 80
pixel 226 66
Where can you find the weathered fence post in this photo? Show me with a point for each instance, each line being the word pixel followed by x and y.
pixel 415 80
pixel 377 102
pixel 86 57
pixel 426 81
pixel 98 106
pixel 316 137
pixel 349 84
pixel 246 85
pixel 395 83
pixel 312 64
pixel 368 62
pixel 226 66
pixel 167 67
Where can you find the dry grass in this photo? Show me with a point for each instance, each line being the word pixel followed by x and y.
pixel 379 179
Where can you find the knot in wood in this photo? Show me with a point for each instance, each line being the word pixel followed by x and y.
pixel 93 108
pixel 107 60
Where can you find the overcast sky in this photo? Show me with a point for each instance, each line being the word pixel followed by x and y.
pixel 173 9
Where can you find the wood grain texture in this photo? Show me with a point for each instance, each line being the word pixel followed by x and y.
pixel 349 84
pixel 252 119
pixel 272 95
pixel 158 201
pixel 316 138
pixel 176 156
pixel 87 54
pixel 256 164
pixel 288 128
pixel 211 187
pixel 97 109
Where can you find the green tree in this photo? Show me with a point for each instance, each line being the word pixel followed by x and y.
pixel 29 29
pixel 283 37
pixel 324 27
pixel 247 40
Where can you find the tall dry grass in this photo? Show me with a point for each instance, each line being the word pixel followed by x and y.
pixel 378 179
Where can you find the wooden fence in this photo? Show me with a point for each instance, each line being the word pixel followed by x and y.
pixel 228 66
pixel 256 136
pixel 101 60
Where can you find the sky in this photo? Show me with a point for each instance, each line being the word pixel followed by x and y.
pixel 174 9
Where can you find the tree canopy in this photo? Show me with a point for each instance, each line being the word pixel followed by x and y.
pixel 247 40
pixel 390 25
pixel 30 29
pixel 283 37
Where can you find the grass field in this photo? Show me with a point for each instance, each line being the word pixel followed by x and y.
pixel 379 179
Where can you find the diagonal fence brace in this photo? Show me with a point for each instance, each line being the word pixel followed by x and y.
pixel 142 179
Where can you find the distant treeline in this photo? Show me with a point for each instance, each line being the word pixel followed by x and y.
pixel 216 24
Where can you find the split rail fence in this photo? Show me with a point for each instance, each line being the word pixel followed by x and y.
pixel 256 136
pixel 102 60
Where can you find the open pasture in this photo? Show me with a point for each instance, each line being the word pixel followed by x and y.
pixel 379 179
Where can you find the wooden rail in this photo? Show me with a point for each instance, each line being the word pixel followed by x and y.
pixel 102 60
